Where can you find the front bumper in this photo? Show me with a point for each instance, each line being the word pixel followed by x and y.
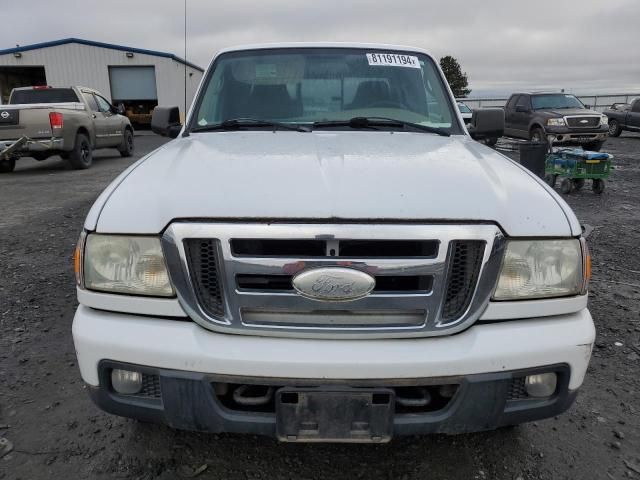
pixel 565 135
pixel 188 359
pixel 188 401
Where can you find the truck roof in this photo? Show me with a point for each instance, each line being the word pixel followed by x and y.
pixel 45 87
pixel 542 93
pixel 376 46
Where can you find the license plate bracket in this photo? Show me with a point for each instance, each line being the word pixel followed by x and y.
pixel 335 415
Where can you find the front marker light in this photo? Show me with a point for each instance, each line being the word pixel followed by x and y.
pixel 541 269
pixel 555 122
pixel 122 264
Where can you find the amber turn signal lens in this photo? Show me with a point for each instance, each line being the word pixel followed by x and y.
pixel 76 263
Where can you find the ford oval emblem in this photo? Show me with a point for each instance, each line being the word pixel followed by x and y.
pixel 333 284
pixel 584 121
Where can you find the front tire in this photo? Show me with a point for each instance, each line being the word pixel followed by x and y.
pixel 7 166
pixel 81 156
pixel 126 149
pixel 537 135
pixel 614 128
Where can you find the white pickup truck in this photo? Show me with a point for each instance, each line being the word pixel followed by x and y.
pixel 324 253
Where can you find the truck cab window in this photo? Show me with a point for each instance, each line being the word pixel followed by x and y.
pixel 91 101
pixel 103 105
pixel 523 101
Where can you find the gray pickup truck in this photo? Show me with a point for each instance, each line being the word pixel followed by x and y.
pixel 623 116
pixel 40 122
pixel 556 117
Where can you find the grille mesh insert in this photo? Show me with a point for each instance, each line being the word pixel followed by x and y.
pixel 202 256
pixel 464 268
pixel 150 386
pixel 578 122
pixel 517 390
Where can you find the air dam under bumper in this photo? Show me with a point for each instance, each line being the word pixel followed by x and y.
pixel 187 359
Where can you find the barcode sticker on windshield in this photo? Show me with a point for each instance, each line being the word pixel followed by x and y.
pixel 393 60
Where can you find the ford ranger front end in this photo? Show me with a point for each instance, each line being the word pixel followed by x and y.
pixel 326 255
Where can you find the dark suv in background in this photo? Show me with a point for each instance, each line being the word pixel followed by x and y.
pixel 558 117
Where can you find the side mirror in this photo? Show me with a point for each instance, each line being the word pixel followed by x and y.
pixel 588 107
pixel 521 109
pixel 487 123
pixel 119 109
pixel 166 121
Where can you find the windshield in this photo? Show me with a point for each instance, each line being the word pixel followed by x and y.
pixel 308 85
pixel 554 101
pixel 463 108
pixel 45 95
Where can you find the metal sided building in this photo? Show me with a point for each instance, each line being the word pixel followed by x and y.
pixel 139 79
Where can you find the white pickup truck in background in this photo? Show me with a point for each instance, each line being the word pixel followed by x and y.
pixel 324 253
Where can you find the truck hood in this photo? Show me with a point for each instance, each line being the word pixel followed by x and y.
pixel 329 175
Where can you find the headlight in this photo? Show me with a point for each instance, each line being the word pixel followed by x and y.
pixel 604 120
pixel 555 122
pixel 541 269
pixel 120 264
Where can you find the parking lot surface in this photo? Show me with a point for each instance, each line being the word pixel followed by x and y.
pixel 57 432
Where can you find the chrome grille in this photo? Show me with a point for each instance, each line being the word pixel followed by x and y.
pixel 430 279
pixel 583 121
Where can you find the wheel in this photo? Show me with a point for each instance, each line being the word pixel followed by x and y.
pixel 126 149
pixel 578 183
pixel 551 180
pixel 7 166
pixel 593 146
pixel 566 186
pixel 82 155
pixel 614 128
pixel 491 142
pixel 537 135
pixel 598 186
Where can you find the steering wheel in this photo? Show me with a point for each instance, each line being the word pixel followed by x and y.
pixel 388 103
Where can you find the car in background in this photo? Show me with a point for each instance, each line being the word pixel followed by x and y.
pixel 556 117
pixel 43 121
pixel 624 116
pixel 465 112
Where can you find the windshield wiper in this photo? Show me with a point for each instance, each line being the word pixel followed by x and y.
pixel 238 123
pixel 372 122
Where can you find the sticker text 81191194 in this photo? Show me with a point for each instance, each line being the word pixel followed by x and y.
pixel 393 60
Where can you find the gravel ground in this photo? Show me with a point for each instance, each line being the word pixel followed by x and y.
pixel 56 431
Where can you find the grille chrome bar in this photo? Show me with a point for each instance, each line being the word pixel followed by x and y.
pixel 237 302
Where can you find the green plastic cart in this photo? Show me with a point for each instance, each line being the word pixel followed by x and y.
pixel 575 166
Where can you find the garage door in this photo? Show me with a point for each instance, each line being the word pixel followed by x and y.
pixel 133 83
